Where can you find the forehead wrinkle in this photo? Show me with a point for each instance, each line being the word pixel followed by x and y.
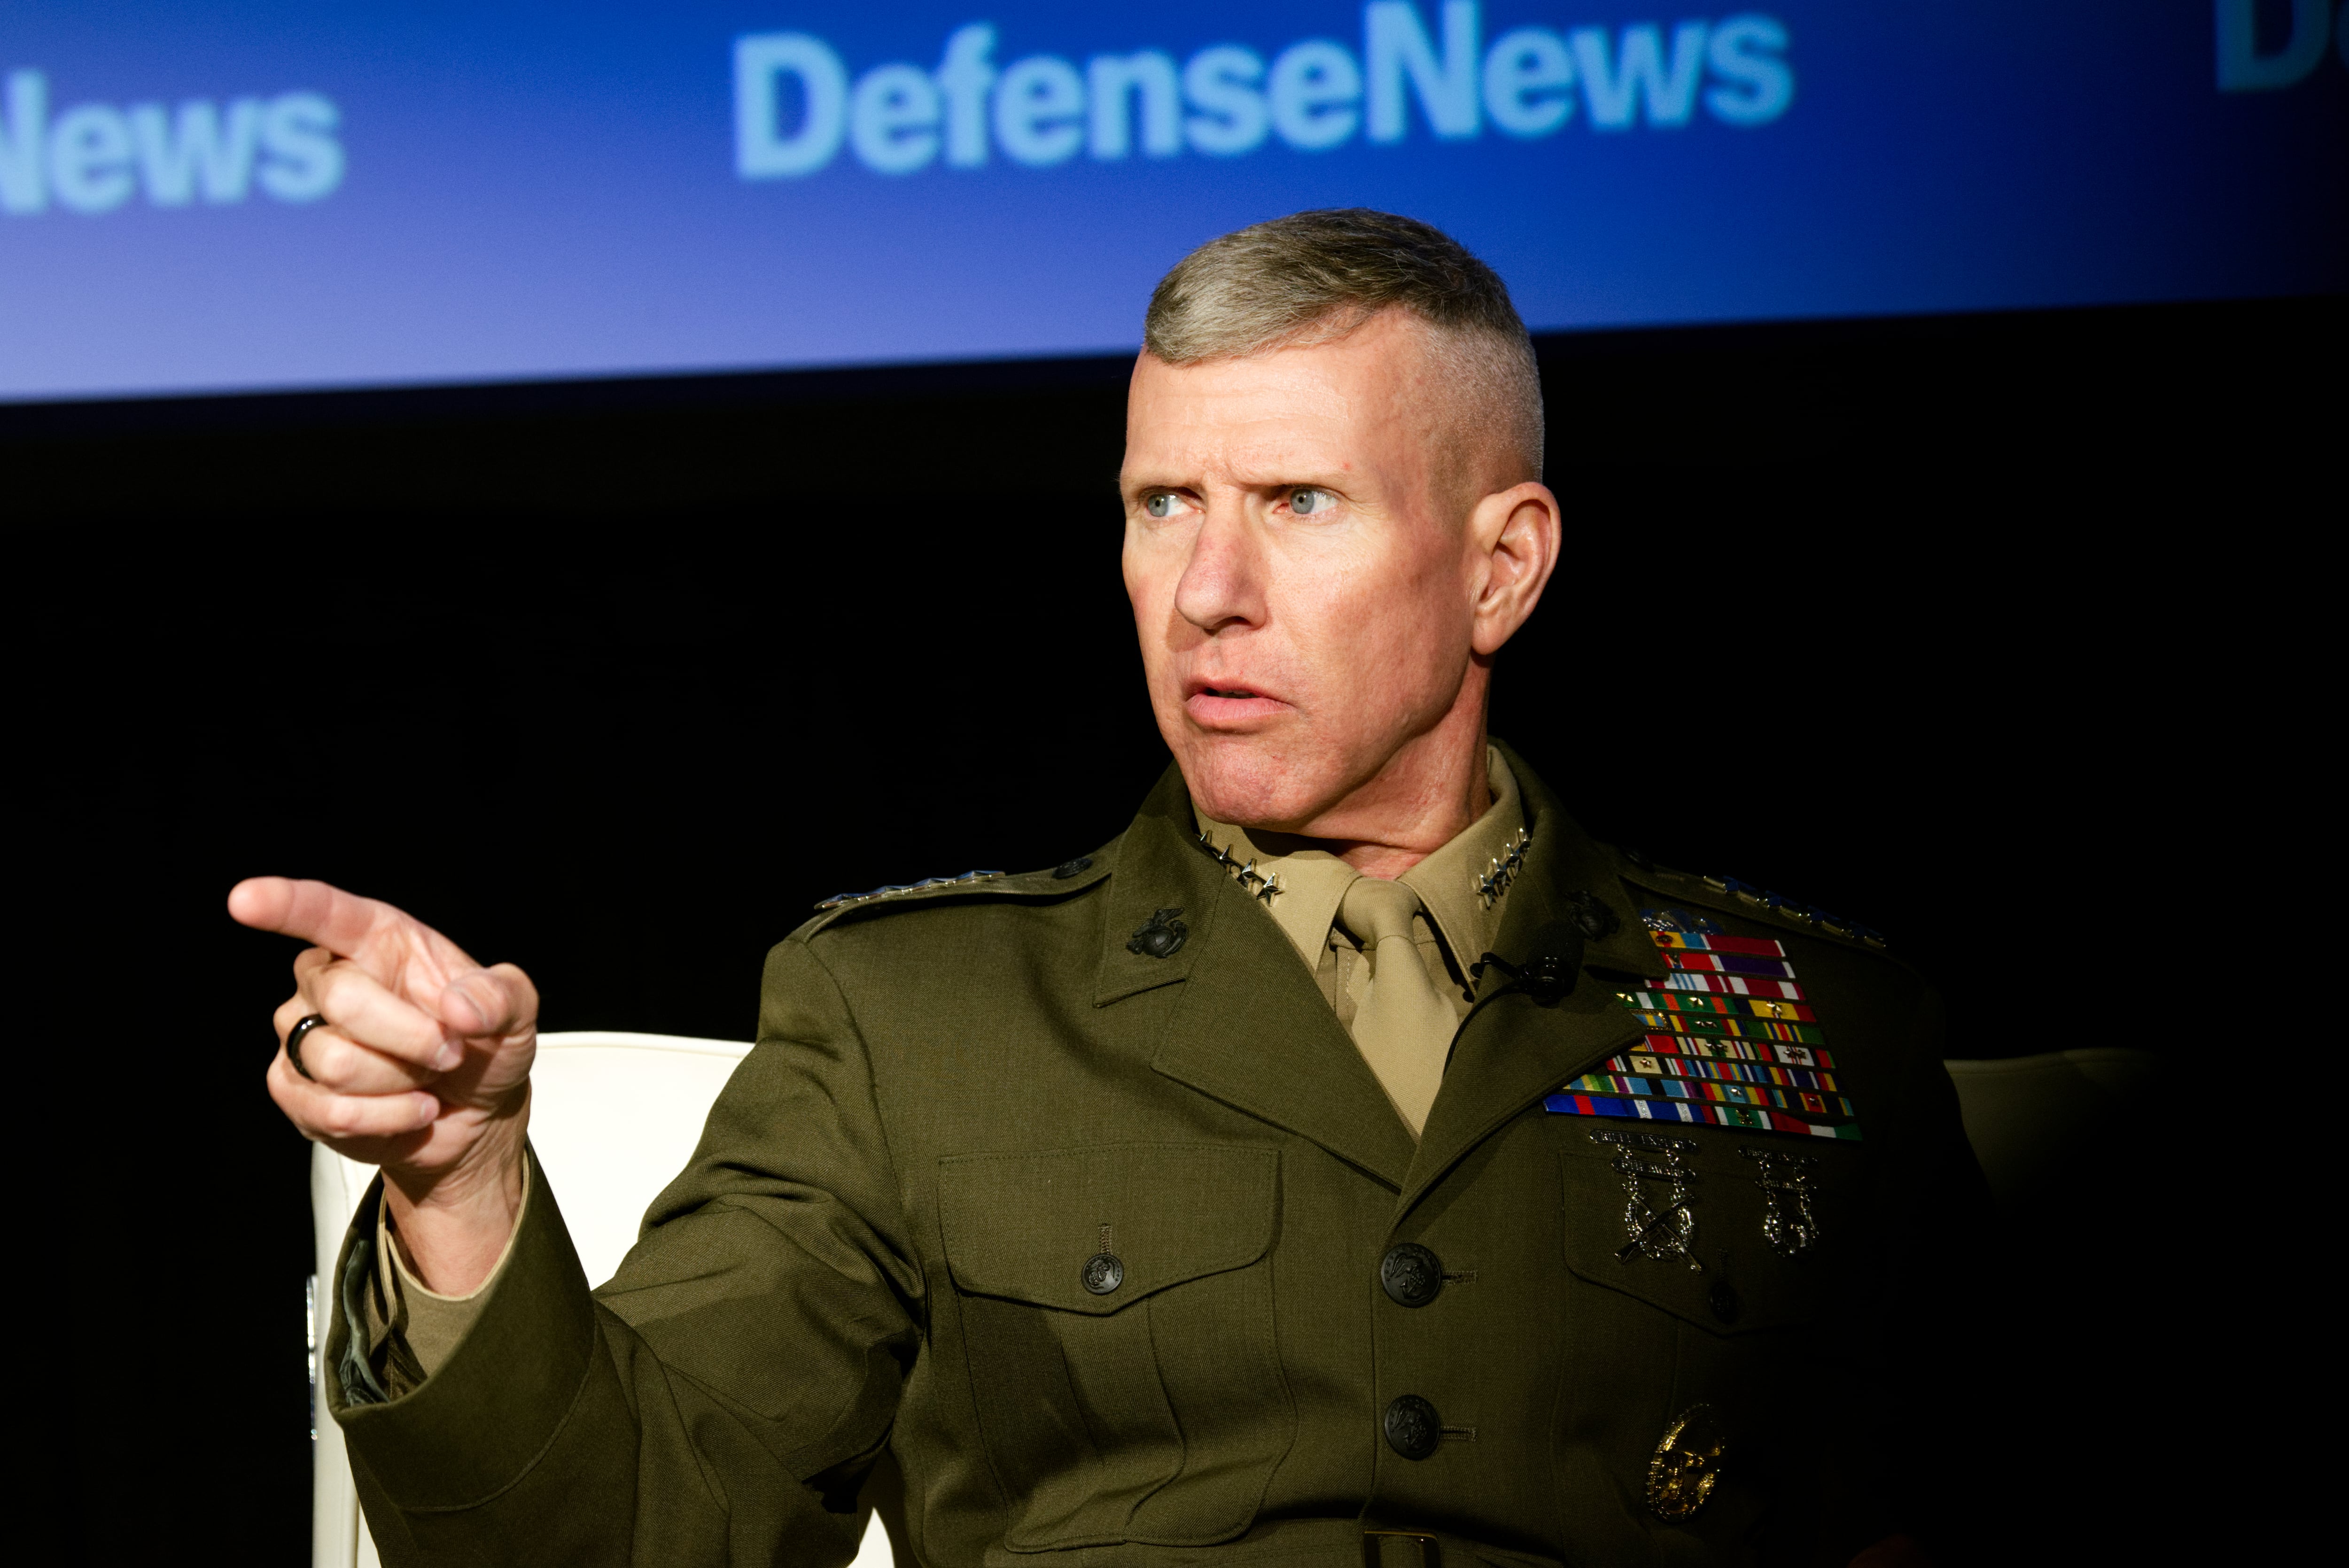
pixel 1284 456
pixel 1270 450
pixel 1289 415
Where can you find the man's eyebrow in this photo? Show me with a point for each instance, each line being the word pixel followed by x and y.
pixel 1298 478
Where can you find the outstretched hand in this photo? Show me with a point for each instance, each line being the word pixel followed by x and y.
pixel 422 1066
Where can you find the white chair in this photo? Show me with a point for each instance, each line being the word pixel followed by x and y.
pixel 613 1117
pixel 2021 1113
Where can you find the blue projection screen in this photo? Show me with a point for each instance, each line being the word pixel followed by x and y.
pixel 258 195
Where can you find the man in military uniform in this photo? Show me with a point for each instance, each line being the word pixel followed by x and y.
pixel 1350 1161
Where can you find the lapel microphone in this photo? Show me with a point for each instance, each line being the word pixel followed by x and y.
pixel 1549 974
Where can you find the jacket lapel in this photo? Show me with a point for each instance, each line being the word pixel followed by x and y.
pixel 1251 1029
pixel 1155 869
pixel 1514 1050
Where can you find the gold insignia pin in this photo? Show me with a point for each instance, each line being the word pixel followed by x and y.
pixel 1686 1465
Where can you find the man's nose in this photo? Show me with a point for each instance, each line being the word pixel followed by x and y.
pixel 1223 582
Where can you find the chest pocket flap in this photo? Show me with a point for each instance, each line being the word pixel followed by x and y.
pixel 1031 1227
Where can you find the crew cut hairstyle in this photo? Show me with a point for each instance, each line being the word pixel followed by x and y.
pixel 1314 277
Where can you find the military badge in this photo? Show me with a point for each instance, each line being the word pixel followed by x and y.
pixel 1788 1222
pixel 1493 883
pixel 1254 883
pixel 1677 920
pixel 1160 936
pixel 1660 1226
pixel 1590 914
pixel 1686 1466
pixel 1733 1041
pixel 890 889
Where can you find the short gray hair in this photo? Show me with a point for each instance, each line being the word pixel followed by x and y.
pixel 1313 277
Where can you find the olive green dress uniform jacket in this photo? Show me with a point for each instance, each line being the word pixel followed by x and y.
pixel 959 1095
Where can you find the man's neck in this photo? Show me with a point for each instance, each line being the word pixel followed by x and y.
pixel 1424 799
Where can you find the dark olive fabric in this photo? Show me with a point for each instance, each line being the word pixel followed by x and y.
pixel 963 1101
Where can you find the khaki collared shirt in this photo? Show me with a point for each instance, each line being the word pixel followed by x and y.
pixel 404 1309
pixel 1462 899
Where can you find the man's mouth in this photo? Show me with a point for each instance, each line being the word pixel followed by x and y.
pixel 1229 702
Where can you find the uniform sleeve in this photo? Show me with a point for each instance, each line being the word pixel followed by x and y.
pixel 720 1401
pixel 406 1331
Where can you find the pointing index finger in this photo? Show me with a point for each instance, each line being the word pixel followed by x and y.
pixel 313 910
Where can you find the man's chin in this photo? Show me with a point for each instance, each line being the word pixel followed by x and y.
pixel 1244 781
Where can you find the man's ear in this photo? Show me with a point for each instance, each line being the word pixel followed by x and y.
pixel 1514 536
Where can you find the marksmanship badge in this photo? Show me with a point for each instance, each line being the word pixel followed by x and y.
pixel 1788 1222
pixel 1664 1230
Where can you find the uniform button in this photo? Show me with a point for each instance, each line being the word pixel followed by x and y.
pixel 1723 1300
pixel 1075 868
pixel 1413 1275
pixel 1104 1272
pixel 1414 1429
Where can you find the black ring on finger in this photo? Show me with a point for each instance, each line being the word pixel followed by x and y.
pixel 293 1043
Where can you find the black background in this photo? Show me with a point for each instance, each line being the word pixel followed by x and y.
pixel 1983 630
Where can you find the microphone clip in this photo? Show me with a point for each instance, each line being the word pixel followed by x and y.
pixel 1549 975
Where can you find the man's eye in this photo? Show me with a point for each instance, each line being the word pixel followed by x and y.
pixel 1159 505
pixel 1308 502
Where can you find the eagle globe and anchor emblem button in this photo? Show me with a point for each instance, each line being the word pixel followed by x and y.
pixel 1104 1271
pixel 1413 1428
pixel 1411 1275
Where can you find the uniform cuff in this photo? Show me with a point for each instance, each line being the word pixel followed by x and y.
pixel 435 1324
pixel 474 1427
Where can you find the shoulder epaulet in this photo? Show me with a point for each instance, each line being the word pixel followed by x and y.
pixel 1068 877
pixel 1761 900
pixel 892 890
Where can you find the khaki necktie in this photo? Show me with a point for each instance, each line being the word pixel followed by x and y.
pixel 1402 1026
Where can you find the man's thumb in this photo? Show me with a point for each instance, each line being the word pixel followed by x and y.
pixel 474 1005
